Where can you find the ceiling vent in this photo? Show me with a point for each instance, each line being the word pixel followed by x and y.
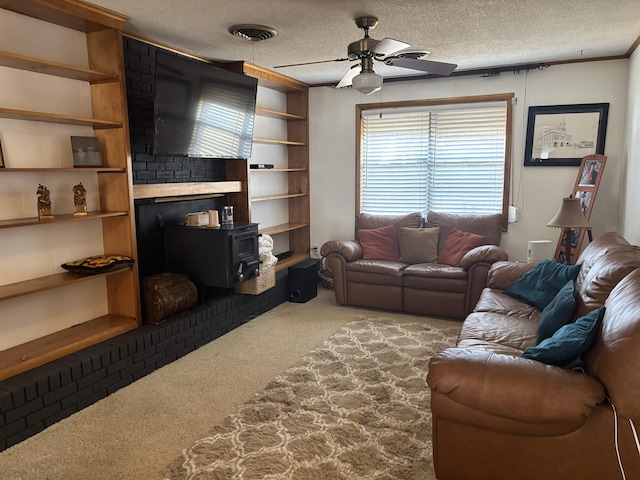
pixel 255 33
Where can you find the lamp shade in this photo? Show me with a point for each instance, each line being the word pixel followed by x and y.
pixel 569 215
pixel 367 82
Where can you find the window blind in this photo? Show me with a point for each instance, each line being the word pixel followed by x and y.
pixel 448 160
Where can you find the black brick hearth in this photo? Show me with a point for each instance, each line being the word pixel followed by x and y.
pixel 140 65
pixel 34 400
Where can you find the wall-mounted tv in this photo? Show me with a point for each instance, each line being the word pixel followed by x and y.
pixel 201 110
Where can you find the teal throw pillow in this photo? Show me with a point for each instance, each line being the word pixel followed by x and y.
pixel 559 312
pixel 569 342
pixel 542 283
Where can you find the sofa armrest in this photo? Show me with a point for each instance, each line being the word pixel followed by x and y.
pixel 484 253
pixel 350 249
pixel 503 274
pixel 513 387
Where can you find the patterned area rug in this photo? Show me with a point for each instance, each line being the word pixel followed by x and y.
pixel 357 408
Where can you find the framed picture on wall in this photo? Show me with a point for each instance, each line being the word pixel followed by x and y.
pixel 561 135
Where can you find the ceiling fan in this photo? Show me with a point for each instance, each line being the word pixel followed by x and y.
pixel 389 51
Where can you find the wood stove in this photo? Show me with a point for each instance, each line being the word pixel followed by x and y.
pixel 213 256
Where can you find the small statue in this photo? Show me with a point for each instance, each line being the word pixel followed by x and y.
pixel 44 202
pixel 80 199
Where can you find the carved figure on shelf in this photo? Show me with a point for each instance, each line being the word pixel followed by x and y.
pixel 44 202
pixel 80 199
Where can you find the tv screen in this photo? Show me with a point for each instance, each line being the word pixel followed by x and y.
pixel 202 110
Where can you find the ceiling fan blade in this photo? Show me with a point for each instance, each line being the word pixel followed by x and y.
pixel 348 77
pixel 387 46
pixel 437 68
pixel 312 63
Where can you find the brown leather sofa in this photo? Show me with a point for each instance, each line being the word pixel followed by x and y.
pixel 424 288
pixel 497 416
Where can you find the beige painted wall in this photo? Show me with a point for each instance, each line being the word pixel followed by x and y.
pixel 35 251
pixel 631 222
pixel 536 191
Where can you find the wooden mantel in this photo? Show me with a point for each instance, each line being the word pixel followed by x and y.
pixel 163 190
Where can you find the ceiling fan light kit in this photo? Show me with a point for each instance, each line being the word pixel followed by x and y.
pixel 367 82
pixel 387 51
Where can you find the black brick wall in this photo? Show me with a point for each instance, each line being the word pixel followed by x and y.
pixel 34 400
pixel 140 62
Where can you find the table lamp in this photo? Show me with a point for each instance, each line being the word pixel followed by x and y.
pixel 569 217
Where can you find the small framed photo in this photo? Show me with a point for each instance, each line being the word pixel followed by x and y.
pixel 561 135
pixel 1 155
pixel 589 173
pixel 86 152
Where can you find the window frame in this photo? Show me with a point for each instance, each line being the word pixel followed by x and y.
pixel 508 98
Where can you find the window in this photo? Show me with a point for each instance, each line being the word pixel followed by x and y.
pixel 449 156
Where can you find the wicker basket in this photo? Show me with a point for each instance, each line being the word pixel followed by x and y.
pixel 259 284
pixel 165 295
pixel 325 275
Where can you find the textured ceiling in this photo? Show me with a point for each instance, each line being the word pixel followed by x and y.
pixel 471 33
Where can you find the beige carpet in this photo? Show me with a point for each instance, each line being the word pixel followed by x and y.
pixel 136 432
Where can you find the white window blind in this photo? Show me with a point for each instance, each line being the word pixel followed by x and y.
pixel 447 160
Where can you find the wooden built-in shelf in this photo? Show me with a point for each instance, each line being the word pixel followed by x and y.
pixel 49 282
pixel 292 260
pixel 63 169
pixel 279 142
pixel 158 190
pixel 265 112
pixel 32 64
pixel 273 170
pixel 278 197
pixel 285 227
pixel 67 217
pixel 56 118
pixel 45 349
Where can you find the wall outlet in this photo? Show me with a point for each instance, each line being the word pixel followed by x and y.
pixel 315 251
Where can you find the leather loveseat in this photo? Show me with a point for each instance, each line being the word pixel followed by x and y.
pixel 499 416
pixel 399 284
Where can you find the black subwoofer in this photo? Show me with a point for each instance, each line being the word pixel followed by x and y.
pixel 303 281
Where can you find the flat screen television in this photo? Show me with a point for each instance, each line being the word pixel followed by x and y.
pixel 201 110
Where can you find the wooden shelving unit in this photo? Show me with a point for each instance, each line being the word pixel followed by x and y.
pixel 68 217
pixel 41 284
pixel 38 65
pixel 278 142
pixel 103 30
pixel 278 197
pixel 296 170
pixel 56 118
pixel 24 357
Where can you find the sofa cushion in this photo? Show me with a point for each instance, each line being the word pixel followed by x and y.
pixel 569 342
pixel 418 245
pixel 380 243
pixel 490 226
pixel 559 312
pixel 542 283
pixel 457 244
pixel 370 221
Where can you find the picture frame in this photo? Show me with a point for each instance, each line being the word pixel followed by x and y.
pixel 561 135
pixel 86 152
pixel 1 155
pixel 585 188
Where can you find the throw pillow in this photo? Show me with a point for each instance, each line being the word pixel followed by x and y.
pixel 418 245
pixel 559 312
pixel 456 246
pixel 542 283
pixel 569 342
pixel 380 243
